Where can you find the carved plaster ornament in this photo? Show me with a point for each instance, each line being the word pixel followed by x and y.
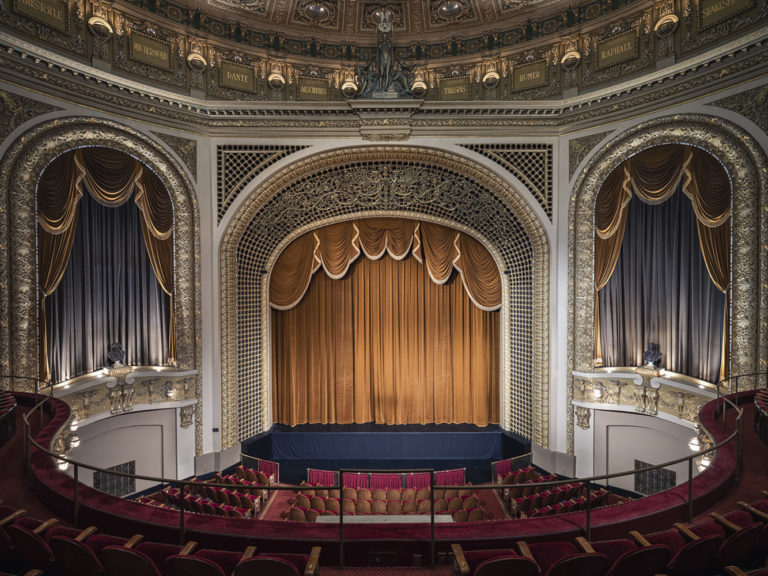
pixel 582 417
pixel 187 414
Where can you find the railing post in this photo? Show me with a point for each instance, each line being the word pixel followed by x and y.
pixel 341 520
pixel 740 448
pixel 690 489
pixel 27 464
pixel 75 499
pixel 589 514
pixel 432 517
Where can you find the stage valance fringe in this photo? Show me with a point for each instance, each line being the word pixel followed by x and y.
pixel 653 175
pixel 111 177
pixel 336 247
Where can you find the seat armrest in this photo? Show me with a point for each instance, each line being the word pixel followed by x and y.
pixel 724 522
pixel 685 531
pixel 313 561
pixel 34 573
pixel 734 571
pixel 45 525
pixel 85 534
pixel 134 541
pixel 189 547
pixel 525 550
pixel 249 552
pixel 12 517
pixel 584 544
pixel 764 493
pixel 754 511
pixel 461 560
pixel 639 538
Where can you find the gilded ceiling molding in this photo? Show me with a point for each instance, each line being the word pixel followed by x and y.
pixel 20 168
pixel 374 181
pixel 185 149
pixel 752 104
pixel 747 166
pixel 15 110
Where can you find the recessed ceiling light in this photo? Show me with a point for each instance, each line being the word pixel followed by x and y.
pixel 316 12
pixel 450 9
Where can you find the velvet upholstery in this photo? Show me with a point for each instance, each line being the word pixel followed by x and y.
pixel 613 549
pixel 31 548
pixel 506 566
pixel 264 565
pixel 476 557
pixel 697 558
pixel 158 552
pixel 580 565
pixel 74 558
pixel 647 561
pixel 178 565
pixel 226 560
pixel 121 561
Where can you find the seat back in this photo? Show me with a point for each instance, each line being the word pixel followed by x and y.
pixel 506 566
pixel 178 565
pixel 580 565
pixel 264 565
pixel 739 546
pixel 74 558
pixel 647 561
pixel 696 558
pixel 31 548
pixel 121 561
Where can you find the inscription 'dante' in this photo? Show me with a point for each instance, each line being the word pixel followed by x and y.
pixel 617 50
pixel 237 77
pixel 713 11
pixel 150 51
pixel 49 12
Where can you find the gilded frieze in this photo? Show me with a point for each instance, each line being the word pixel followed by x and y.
pixel 752 104
pixel 746 164
pixel 16 109
pixel 579 148
pixel 185 149
pixel 20 167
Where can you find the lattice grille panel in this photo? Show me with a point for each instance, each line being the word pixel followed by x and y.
pixel 393 187
pixel 530 163
pixel 236 165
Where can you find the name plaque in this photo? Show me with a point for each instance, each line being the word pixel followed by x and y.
pixel 530 76
pixel 150 51
pixel 313 89
pixel 454 89
pixel 52 13
pixel 618 49
pixel 712 12
pixel 237 76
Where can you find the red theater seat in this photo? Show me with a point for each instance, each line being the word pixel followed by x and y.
pixel 694 558
pixel 30 546
pixel 279 565
pixel 564 559
pixel 626 559
pixel 500 562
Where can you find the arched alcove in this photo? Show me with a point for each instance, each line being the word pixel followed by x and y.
pixel 396 181
pixel 746 167
pixel 20 170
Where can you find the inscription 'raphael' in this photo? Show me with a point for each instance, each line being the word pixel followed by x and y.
pixel 49 12
pixel 617 50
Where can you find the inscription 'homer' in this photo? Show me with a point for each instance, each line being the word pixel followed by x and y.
pixel 528 76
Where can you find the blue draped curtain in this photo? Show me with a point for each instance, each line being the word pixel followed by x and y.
pixel 660 291
pixel 109 293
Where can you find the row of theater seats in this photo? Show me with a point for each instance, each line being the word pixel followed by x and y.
pixel 720 544
pixel 55 550
pixel 547 504
pixel 255 476
pixel 463 504
pixel 761 415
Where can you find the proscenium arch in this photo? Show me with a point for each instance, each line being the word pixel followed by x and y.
pixel 346 183
pixel 20 170
pixel 747 167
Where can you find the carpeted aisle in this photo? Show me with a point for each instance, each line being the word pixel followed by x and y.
pixel 386 571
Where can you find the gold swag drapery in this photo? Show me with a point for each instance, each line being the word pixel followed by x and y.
pixel 653 175
pixel 111 177
pixel 384 341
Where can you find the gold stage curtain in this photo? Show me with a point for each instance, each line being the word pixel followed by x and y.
pixel 654 175
pixel 385 344
pixel 111 177
pixel 59 192
pixel 391 340
pixel 156 209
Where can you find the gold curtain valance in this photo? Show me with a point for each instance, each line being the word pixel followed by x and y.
pixel 337 246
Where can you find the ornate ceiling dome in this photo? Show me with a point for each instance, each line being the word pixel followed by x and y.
pixel 354 21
